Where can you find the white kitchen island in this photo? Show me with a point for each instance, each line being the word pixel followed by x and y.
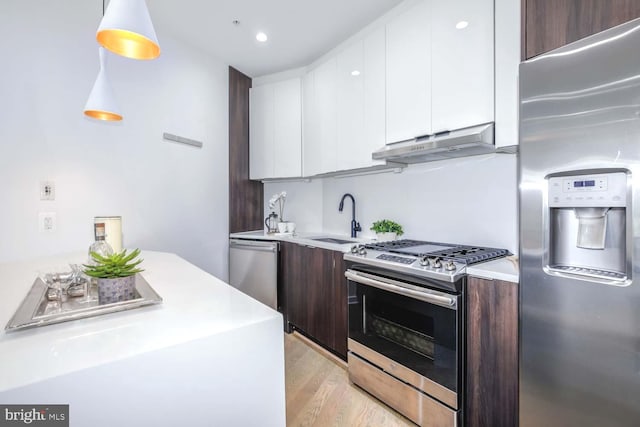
pixel 208 355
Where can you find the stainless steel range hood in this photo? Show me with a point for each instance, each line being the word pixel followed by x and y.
pixel 469 141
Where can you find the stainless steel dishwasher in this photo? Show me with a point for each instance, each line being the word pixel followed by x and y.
pixel 253 269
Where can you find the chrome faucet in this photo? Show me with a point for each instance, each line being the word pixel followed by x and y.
pixel 355 226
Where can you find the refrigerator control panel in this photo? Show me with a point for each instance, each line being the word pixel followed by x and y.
pixel 598 190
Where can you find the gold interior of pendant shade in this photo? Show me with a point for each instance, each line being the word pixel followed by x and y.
pixel 129 44
pixel 103 115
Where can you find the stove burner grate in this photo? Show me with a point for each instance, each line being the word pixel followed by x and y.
pixel 458 253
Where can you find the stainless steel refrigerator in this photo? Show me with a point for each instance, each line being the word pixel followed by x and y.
pixel 579 231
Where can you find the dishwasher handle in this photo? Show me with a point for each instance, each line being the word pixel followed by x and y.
pixel 254 246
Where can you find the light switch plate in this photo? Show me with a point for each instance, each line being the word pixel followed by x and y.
pixel 47 222
pixel 47 190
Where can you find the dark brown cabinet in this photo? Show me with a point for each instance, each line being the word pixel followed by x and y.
pixel 492 353
pixel 245 196
pixel 316 294
pixel 551 24
pixel 340 289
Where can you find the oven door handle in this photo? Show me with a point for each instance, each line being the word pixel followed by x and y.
pixel 398 288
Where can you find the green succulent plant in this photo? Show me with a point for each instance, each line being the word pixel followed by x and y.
pixel 387 226
pixel 114 266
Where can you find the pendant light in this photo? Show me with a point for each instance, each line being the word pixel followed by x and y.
pixel 126 30
pixel 101 104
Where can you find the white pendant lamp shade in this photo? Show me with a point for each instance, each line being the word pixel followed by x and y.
pixel 101 104
pixel 126 30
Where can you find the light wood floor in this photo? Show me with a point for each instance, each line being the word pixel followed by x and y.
pixel 319 393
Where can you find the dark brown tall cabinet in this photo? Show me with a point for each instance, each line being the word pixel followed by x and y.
pixel 316 294
pixel 549 24
pixel 492 353
pixel 245 196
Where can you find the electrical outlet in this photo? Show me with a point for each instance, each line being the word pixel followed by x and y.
pixel 47 222
pixel 47 190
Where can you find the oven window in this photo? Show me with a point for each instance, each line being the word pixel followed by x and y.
pixel 421 336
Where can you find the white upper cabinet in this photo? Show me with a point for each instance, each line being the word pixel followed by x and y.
pixel 275 130
pixel 361 103
pixel 507 60
pixel 461 63
pixel 326 97
pixel 374 94
pixel 261 135
pixel 350 81
pixel 311 148
pixel 425 68
pixel 288 129
pixel 408 79
pixel 320 119
pixel 440 67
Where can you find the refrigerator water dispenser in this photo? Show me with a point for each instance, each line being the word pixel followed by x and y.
pixel 587 227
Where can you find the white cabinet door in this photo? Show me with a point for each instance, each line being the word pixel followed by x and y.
pixel 325 95
pixel 361 104
pixel 374 95
pixel 344 108
pixel 320 119
pixel 360 84
pixel 507 46
pixel 409 73
pixel 350 85
pixel 462 63
pixel 311 147
pixel 287 129
pixel 275 130
pixel 261 132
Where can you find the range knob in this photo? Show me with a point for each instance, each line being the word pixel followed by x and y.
pixel 362 250
pixel 355 248
pixel 450 266
pixel 435 263
pixel 424 261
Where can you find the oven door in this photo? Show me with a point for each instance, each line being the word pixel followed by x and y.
pixel 411 332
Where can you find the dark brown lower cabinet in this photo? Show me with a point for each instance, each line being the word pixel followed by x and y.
pixel 492 353
pixel 340 289
pixel 316 294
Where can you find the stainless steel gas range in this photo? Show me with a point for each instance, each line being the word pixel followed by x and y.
pixel 406 325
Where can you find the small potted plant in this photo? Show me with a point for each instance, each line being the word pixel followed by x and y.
pixel 387 230
pixel 115 275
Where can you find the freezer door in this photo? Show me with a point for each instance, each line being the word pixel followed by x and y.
pixel 579 339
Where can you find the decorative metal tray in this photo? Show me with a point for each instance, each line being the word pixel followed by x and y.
pixel 38 310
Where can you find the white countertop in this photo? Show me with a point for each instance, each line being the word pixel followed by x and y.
pixel 303 239
pixel 195 305
pixel 506 269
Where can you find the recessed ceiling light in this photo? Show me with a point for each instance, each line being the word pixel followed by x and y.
pixel 355 73
pixel 261 37
pixel 462 24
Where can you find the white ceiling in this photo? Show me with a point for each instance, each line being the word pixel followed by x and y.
pixel 299 30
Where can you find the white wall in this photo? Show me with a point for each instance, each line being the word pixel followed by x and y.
pixel 172 197
pixel 303 205
pixel 471 200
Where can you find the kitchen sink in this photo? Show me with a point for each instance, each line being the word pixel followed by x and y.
pixel 333 240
